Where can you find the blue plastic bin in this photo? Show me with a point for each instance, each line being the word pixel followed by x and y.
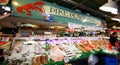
pixel 111 61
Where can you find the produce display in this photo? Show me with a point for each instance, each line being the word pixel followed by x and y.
pixel 39 51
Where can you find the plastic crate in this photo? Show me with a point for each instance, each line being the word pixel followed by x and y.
pixel 111 61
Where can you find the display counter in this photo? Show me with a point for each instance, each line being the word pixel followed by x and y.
pixel 56 50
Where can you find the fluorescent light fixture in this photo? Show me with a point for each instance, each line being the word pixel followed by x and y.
pixel 28 25
pixel 84 20
pixel 110 6
pixel 116 18
pixel 15 3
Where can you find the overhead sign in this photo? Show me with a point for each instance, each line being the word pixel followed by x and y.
pixel 37 9
pixel 4 2
pixel 42 8
pixel 65 13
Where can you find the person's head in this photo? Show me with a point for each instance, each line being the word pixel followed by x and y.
pixel 114 34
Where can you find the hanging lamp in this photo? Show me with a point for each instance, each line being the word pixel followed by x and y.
pixel 110 6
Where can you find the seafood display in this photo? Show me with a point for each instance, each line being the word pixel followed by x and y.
pixel 40 52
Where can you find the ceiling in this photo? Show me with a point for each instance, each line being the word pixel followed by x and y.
pixel 88 7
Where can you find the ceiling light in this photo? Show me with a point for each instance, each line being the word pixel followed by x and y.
pixel 116 18
pixel 28 25
pixel 110 6
pixel 84 20
pixel 15 3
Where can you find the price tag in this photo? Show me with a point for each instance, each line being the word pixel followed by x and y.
pixel 66 59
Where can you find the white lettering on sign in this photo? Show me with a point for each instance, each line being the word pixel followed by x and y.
pixel 60 12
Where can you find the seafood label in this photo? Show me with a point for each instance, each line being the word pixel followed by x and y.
pixel 3 2
pixel 66 59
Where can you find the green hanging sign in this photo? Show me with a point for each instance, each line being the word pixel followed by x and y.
pixel 37 9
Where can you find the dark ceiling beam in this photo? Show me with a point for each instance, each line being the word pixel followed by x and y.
pixel 60 2
pixel 86 8
pixel 99 2
pixel 80 3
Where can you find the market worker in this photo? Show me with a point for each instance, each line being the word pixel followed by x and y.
pixel 113 40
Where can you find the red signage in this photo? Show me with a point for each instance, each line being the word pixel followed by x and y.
pixel 27 8
pixel 3 2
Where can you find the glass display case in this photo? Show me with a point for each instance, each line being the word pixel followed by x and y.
pixel 55 50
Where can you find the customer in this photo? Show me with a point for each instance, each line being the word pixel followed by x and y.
pixel 113 40
pixel 1 56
